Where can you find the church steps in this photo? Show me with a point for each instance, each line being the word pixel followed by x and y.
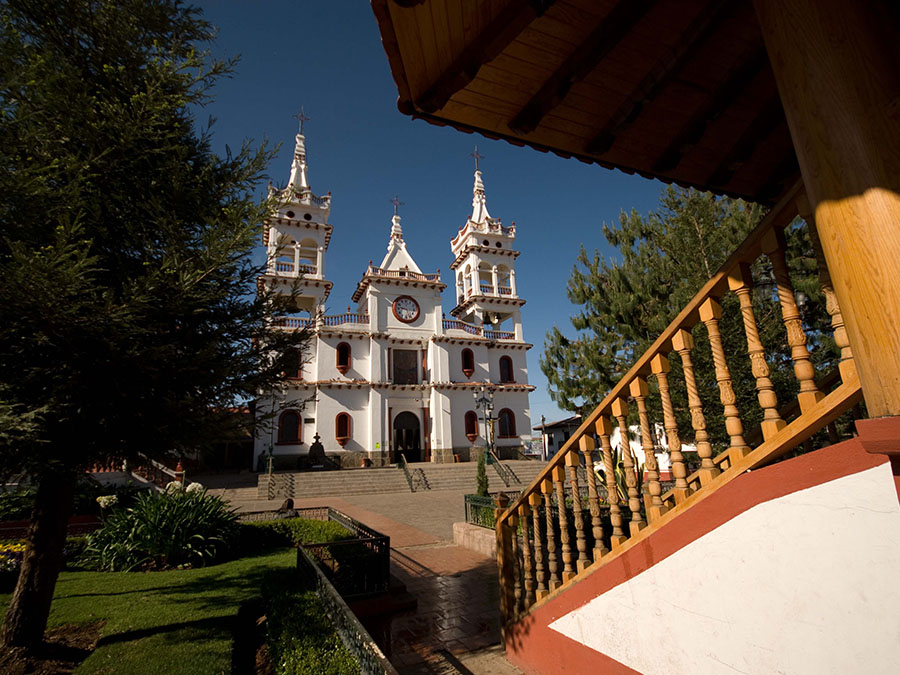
pixel 449 477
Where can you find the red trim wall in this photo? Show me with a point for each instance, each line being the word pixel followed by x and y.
pixel 535 648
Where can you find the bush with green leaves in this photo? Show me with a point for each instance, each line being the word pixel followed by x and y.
pixel 268 534
pixel 481 479
pixel 163 530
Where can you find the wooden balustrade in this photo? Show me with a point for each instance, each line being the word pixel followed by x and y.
pixel 546 557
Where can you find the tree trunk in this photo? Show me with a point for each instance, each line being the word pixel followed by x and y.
pixel 26 618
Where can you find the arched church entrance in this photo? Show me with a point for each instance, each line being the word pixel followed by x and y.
pixel 408 436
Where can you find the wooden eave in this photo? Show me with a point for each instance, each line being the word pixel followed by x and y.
pixel 679 90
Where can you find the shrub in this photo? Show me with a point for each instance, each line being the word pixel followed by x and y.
pixel 481 479
pixel 163 530
pixel 268 534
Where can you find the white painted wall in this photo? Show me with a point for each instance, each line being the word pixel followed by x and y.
pixel 802 584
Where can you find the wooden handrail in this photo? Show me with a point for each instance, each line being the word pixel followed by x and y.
pixel 778 436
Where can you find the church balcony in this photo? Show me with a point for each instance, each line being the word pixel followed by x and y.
pixel 288 269
pixel 401 274
pixel 348 318
pixel 478 331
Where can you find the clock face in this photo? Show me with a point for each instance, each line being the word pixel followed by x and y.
pixel 406 309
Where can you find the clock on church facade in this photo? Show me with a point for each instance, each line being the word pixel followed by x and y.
pixel 406 309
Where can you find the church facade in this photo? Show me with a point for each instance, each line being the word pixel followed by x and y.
pixel 397 375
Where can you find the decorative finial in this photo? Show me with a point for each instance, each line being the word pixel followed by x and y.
pixel 477 156
pixel 301 117
pixel 397 204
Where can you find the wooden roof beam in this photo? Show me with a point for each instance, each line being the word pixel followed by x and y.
pixel 706 24
pixel 769 118
pixel 719 101
pixel 490 43
pixel 610 31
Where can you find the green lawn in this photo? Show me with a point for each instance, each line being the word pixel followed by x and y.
pixel 173 622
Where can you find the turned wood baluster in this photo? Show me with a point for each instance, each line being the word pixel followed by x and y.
pixel 513 524
pixel 773 245
pixel 639 390
pixel 552 556
pixel 559 478
pixel 710 313
pixel 620 412
pixel 683 343
pixel 847 365
pixel 527 564
pixel 659 364
pixel 572 464
pixel 741 282
pixel 604 430
pixel 586 445
pixel 534 501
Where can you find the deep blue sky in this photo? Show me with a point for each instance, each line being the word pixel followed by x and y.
pixel 327 56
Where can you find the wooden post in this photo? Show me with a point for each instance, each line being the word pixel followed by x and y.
pixel 559 480
pixel 534 501
pixel 586 445
pixel 659 364
pixel 604 430
pixel 710 313
pixel 846 366
pixel 572 464
pixel 741 282
pixel 774 246
pixel 552 558
pixel 527 565
pixel 639 390
pixel 836 67
pixel 683 343
pixel 620 412
pixel 504 562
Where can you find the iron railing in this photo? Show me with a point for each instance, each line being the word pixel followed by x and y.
pixel 505 473
pixel 355 637
pixel 480 510
pixel 401 464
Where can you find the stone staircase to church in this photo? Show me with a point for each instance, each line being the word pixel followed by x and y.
pixel 456 477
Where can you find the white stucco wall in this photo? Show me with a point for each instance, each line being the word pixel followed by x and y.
pixel 802 584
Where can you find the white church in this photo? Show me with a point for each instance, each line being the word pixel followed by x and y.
pixel 398 374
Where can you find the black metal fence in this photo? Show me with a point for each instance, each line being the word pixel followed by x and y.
pixel 355 637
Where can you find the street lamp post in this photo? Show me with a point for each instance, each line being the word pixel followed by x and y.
pixel 484 399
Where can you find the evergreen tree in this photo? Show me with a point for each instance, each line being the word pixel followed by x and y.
pixel 481 479
pixel 665 259
pixel 129 322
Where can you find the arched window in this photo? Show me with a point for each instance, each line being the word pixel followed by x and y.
pixel 289 427
pixel 506 369
pixel 471 426
pixel 293 365
pixel 343 358
pixel 468 362
pixel 342 428
pixel 507 423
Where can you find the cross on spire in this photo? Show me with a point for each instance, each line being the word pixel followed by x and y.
pixel 477 156
pixel 301 116
pixel 397 204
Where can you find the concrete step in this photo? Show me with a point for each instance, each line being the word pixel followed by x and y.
pixel 457 477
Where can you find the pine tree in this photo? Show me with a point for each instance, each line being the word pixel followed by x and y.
pixel 129 322
pixel 665 259
pixel 481 479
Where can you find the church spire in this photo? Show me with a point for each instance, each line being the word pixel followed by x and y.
pixel 299 178
pixel 479 203
pixel 396 229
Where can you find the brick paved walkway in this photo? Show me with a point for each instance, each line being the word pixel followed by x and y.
pixel 456 626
